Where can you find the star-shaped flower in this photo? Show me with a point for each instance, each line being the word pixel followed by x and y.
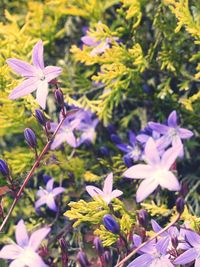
pixel 172 132
pixel 107 194
pixel 156 172
pixel 24 252
pixel 37 76
pixel 47 195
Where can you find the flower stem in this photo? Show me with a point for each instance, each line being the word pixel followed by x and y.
pixel 121 263
pixel 30 174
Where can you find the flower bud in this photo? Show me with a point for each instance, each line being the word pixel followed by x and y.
pixel 48 125
pixel 4 168
pixel 59 97
pixel 116 139
pixel 40 117
pixel 143 218
pixel 30 137
pixel 180 205
pixel 98 245
pixel 104 151
pixel 64 252
pixel 128 161
pixel 82 259
pixel 111 224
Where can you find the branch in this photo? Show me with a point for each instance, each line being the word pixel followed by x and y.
pixel 36 164
pixel 120 264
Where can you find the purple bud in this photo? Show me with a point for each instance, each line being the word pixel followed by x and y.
pixel 4 168
pixel 30 137
pixel 64 252
pixel 128 161
pixel 110 224
pixel 98 245
pixel 104 151
pixel 82 259
pixel 174 241
pixel 180 205
pixel 59 97
pixel 48 125
pixel 143 218
pixel 116 139
pixel 40 117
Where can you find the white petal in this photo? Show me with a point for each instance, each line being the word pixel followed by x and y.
pixel 21 234
pixel 37 237
pixel 168 180
pixel 108 184
pixel 41 93
pixel 139 171
pixel 145 189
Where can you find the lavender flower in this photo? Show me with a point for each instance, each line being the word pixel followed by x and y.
pixel 193 253
pixel 156 172
pixel 24 252
pixel 107 194
pixel 172 132
pixel 99 46
pixel 37 76
pixel 151 257
pixel 47 195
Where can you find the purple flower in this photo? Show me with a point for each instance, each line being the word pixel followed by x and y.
pixel 107 194
pixel 37 76
pixel 152 256
pixel 172 132
pixel 193 253
pixel 23 253
pixel 80 122
pixel 47 195
pixel 156 172
pixel 99 46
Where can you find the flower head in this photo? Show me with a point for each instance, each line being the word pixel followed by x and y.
pixel 156 172
pixel 37 76
pixel 24 251
pixel 47 195
pixel 172 132
pixel 107 194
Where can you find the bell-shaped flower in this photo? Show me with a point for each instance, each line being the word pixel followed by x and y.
pixel 37 75
pixel 107 194
pixel 156 172
pixel 47 195
pixel 24 251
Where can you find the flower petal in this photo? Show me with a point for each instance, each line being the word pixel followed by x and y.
pixel 142 261
pixel 41 93
pixel 21 234
pixel 108 184
pixel 21 67
pixel 151 153
pixel 16 263
pixel 37 237
pixel 10 252
pixel 158 127
pixel 51 72
pixel 116 193
pixel 187 256
pixel 172 119
pixel 185 133
pixel 25 88
pixel 168 180
pixel 145 189
pixel 49 185
pixel 170 156
pixel 40 202
pixel 139 171
pixel 57 191
pixel 51 203
pixel 93 191
pixel 193 238
pixel 132 137
pixel 37 55
pixel 71 139
pixel 58 140
pixel 163 244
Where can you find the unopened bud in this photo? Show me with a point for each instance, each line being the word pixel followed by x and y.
pixel 180 205
pixel 82 259
pixel 128 161
pixel 110 224
pixel 30 137
pixel 104 151
pixel 116 139
pixel 4 168
pixel 40 117
pixel 59 97
pixel 98 245
pixel 143 218
pixel 48 125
